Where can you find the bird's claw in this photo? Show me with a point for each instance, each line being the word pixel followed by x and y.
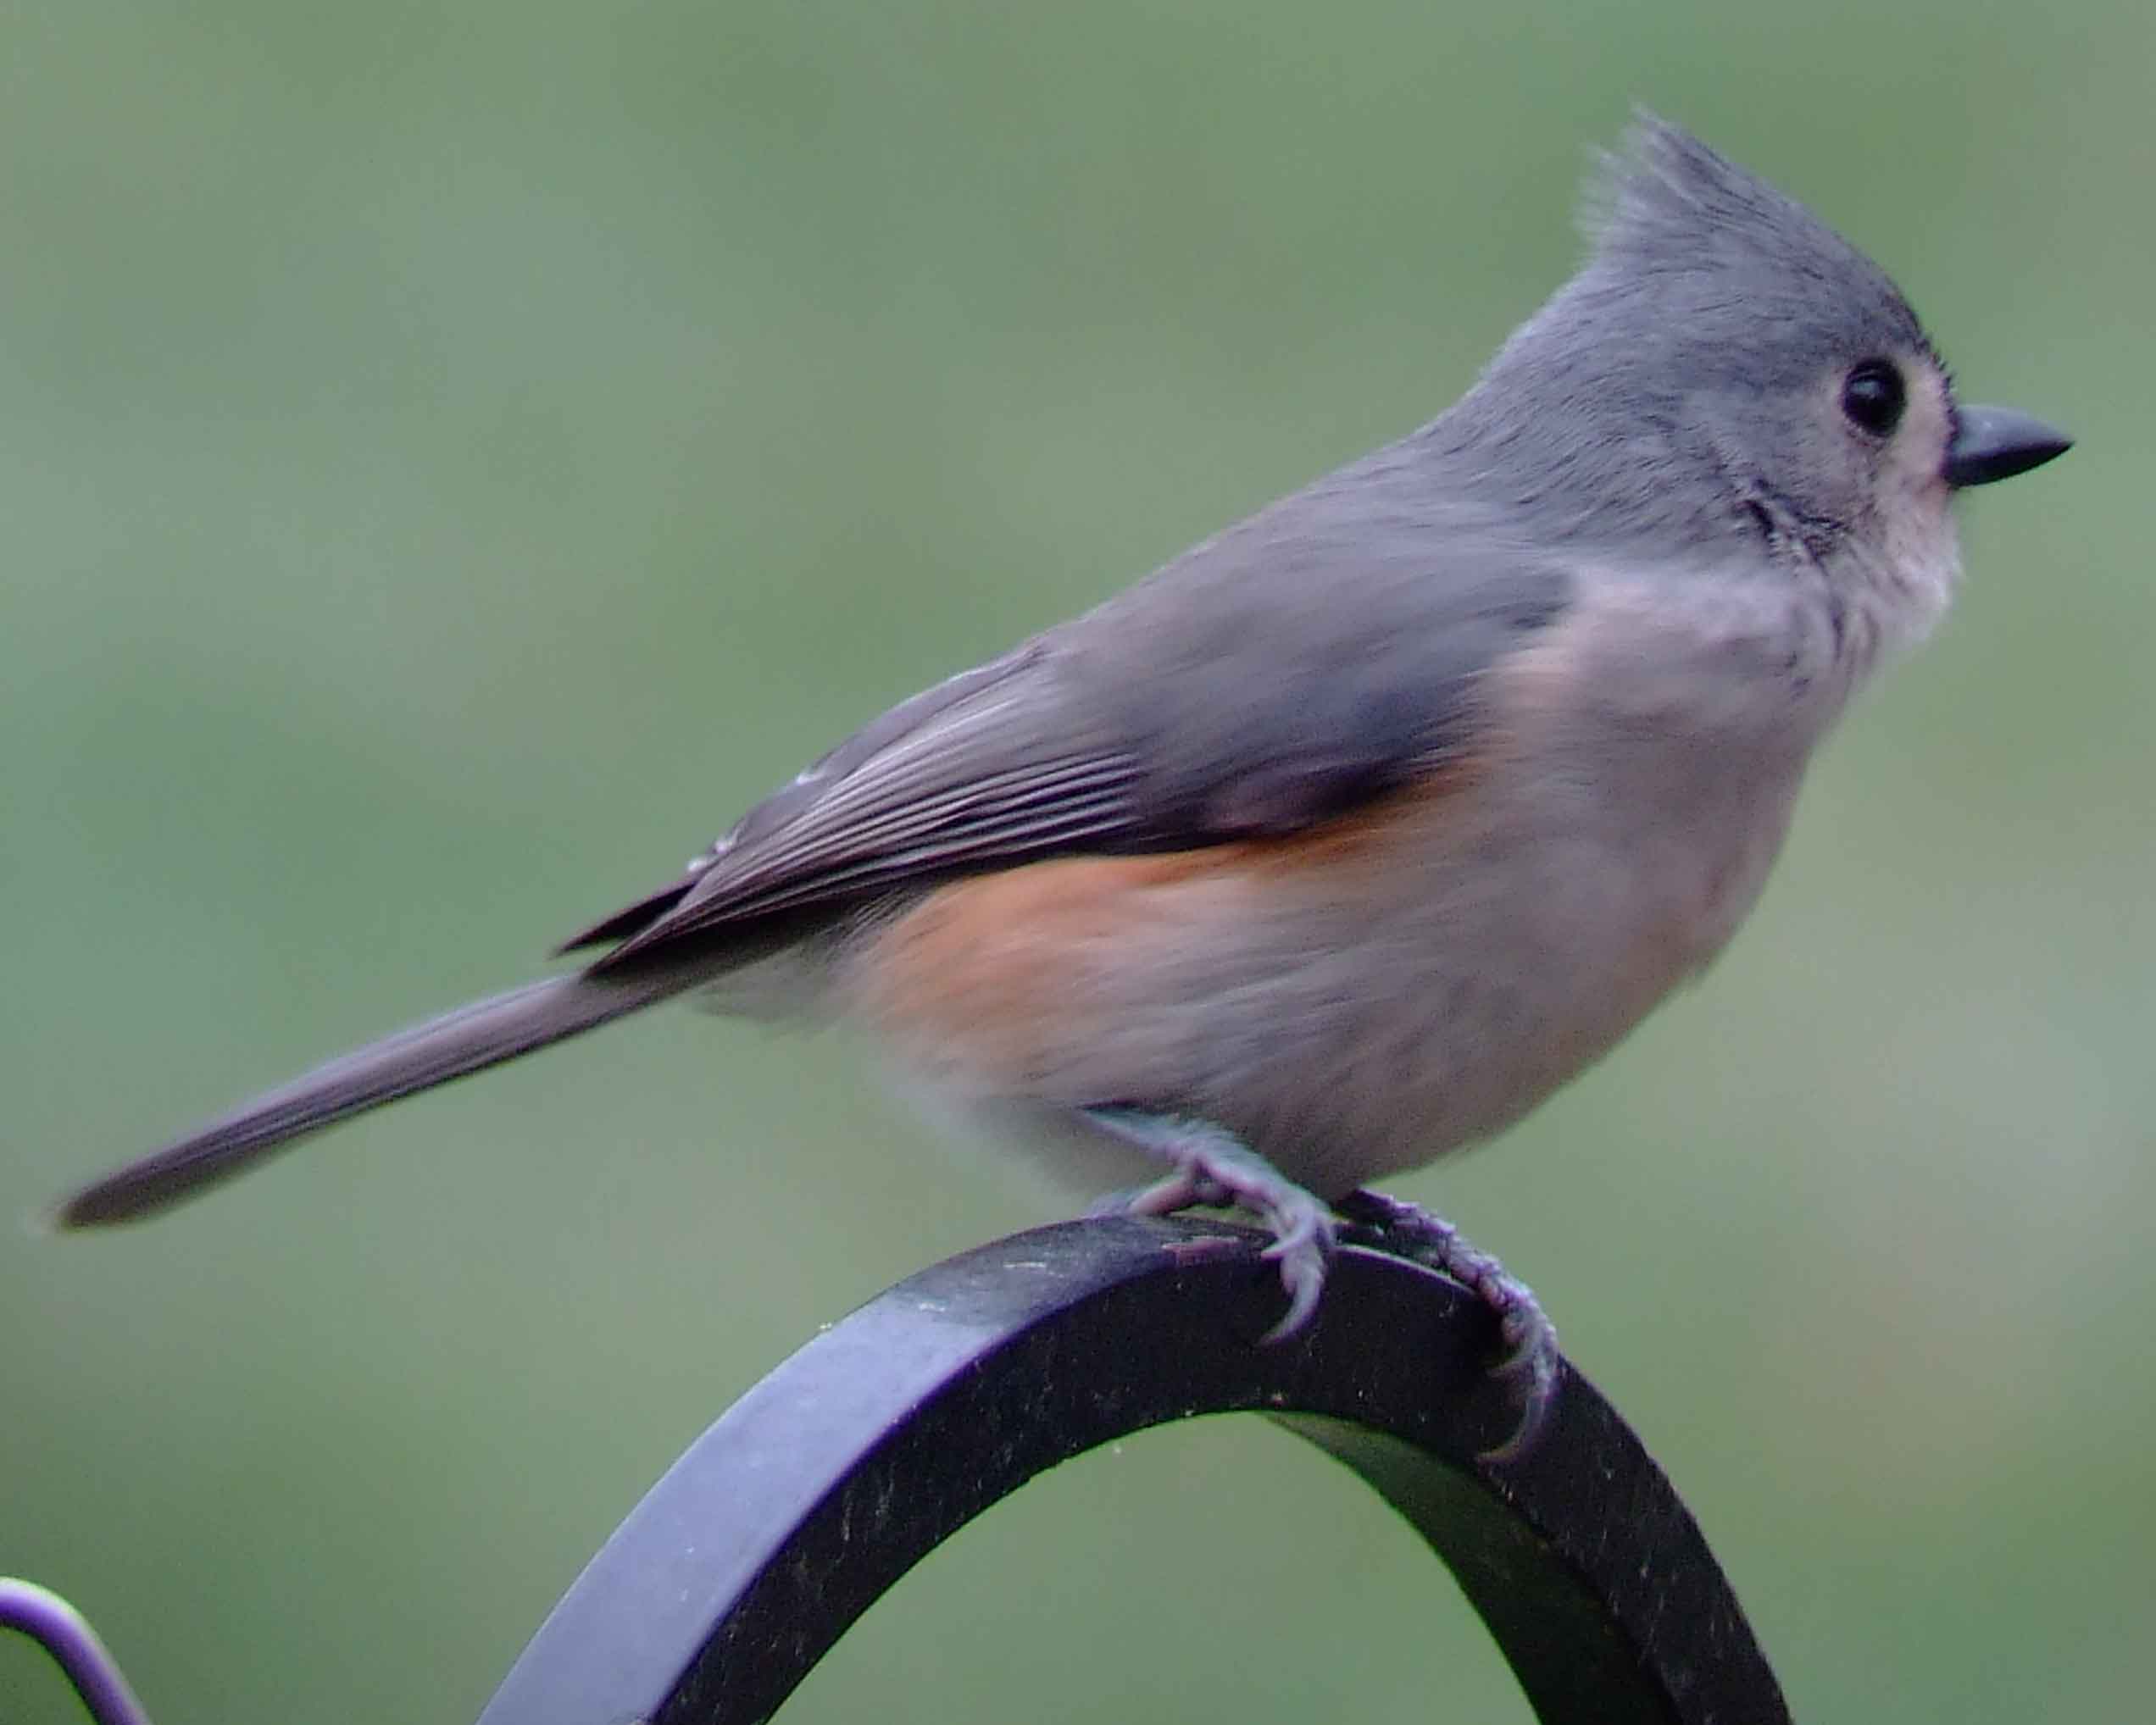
pixel 1304 1236
pixel 1529 1358
pixel 1214 1170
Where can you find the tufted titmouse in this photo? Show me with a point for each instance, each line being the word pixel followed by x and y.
pixel 1356 830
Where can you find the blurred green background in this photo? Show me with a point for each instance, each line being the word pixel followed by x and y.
pixel 453 457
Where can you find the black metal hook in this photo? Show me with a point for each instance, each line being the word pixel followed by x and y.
pixel 829 1479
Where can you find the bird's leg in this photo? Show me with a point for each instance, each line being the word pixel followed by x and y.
pixel 1214 1169
pixel 1529 1358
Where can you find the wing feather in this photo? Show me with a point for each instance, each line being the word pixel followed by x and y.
pixel 1317 656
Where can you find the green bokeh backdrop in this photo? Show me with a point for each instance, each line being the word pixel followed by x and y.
pixel 453 457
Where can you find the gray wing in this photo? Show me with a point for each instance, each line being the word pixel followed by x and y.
pixel 1324 651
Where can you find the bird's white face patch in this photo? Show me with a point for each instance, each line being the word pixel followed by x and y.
pixel 1898 571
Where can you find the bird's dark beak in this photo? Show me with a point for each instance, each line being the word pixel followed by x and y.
pixel 1996 443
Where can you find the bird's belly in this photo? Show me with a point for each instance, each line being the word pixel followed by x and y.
pixel 1347 1021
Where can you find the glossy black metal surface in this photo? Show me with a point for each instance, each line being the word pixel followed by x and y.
pixel 825 1483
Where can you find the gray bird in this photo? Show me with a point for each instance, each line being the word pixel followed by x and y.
pixel 1353 832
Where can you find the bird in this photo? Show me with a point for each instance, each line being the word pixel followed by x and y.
pixel 1348 835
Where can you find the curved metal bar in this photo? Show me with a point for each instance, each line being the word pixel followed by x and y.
pixel 62 1631
pixel 825 1483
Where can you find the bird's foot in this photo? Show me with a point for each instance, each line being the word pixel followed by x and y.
pixel 1214 1169
pixel 1529 1359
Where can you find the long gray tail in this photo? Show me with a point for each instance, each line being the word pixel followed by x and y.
pixel 469 1040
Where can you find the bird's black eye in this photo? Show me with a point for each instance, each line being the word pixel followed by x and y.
pixel 1873 397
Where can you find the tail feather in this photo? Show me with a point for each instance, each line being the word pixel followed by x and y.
pixel 468 1040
